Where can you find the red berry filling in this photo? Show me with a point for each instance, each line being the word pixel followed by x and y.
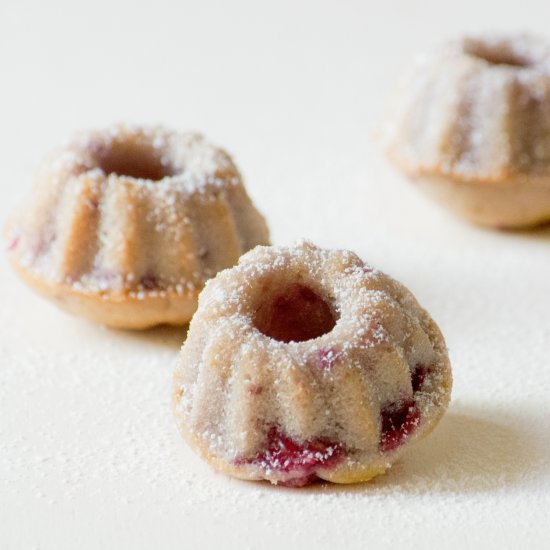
pixel 43 245
pixel 296 315
pixel 399 420
pixel 105 275
pixel 299 461
pixel 418 377
pixel 326 358
pixel 93 203
pixel 13 244
pixel 149 282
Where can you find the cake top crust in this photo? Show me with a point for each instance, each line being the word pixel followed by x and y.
pixel 475 109
pixel 146 156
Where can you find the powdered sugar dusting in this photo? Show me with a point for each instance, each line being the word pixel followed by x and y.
pixel 135 212
pixel 475 108
pixel 330 386
pixel 89 425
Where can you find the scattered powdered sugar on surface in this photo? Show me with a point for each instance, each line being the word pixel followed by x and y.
pixel 294 90
pixel 87 433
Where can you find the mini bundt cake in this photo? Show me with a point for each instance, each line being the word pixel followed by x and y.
pixel 125 225
pixel 303 363
pixel 471 125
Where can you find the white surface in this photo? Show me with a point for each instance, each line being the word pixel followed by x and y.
pixel 89 455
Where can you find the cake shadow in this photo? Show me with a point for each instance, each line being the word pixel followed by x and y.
pixel 168 336
pixel 467 453
pixel 537 233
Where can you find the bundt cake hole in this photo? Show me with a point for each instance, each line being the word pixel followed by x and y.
pixel 295 314
pixel 135 160
pixel 495 55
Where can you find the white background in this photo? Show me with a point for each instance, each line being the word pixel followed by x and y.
pixel 89 455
